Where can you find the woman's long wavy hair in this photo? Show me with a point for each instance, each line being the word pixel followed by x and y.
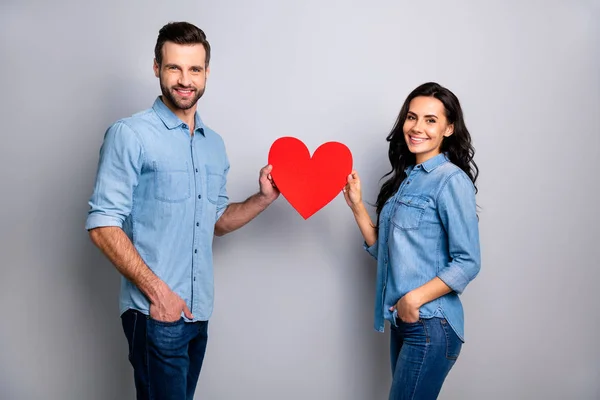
pixel 458 146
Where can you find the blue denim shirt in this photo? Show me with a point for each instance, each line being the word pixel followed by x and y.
pixel 428 228
pixel 166 189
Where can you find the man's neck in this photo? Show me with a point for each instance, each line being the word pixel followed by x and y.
pixel 187 116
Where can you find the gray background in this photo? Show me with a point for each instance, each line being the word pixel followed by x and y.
pixel 294 298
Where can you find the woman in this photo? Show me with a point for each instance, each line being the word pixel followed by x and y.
pixel 426 240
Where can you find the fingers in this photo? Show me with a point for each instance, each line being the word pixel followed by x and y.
pixel 272 182
pixel 266 171
pixel 353 177
pixel 187 312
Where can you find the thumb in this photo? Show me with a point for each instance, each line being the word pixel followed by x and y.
pixel 187 312
pixel 267 170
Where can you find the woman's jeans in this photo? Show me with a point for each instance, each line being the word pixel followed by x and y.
pixel 422 354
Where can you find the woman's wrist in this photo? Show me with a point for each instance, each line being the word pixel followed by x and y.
pixel 358 208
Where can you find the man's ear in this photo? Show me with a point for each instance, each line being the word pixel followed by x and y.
pixel 207 71
pixel 156 68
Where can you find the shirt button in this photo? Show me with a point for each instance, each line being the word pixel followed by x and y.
pixel 197 223
pixel 199 196
pixel 196 169
pixel 194 279
pixel 408 182
pixel 196 250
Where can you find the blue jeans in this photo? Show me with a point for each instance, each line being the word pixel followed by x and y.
pixel 166 356
pixel 422 354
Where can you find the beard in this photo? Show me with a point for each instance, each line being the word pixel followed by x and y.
pixel 182 103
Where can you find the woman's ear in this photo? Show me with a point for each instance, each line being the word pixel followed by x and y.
pixel 449 130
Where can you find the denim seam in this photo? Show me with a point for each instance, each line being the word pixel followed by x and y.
pixel 133 224
pixel 147 363
pixel 139 139
pixel 208 181
pixel 443 186
pixel 411 206
pixel 133 336
pixel 412 397
pixel 445 329
pixel 133 202
pixel 462 339
pixel 437 251
pixel 157 170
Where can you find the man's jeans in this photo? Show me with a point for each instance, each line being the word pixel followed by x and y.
pixel 422 354
pixel 166 356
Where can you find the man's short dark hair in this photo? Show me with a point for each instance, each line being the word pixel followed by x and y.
pixel 180 33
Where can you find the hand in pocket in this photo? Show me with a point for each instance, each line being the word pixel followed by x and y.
pixel 169 306
pixel 407 308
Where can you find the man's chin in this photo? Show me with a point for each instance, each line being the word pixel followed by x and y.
pixel 184 105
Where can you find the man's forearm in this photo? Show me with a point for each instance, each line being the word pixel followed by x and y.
pixel 239 214
pixel 117 247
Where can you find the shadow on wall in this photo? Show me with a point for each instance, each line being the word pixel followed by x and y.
pixel 101 282
pixel 97 278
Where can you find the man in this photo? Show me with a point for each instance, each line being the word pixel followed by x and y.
pixel 158 199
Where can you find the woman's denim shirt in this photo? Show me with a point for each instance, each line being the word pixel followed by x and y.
pixel 428 228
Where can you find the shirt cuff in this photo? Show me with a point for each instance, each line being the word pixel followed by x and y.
pixel 99 220
pixel 221 211
pixel 454 277
pixel 372 250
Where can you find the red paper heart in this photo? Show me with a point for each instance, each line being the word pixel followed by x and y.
pixel 309 184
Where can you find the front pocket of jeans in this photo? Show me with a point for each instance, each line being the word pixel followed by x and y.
pixel 166 323
pixel 165 336
pixel 171 182
pixel 409 212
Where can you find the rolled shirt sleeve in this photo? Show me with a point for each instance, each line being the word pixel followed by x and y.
pixel 458 213
pixel 372 250
pixel 119 167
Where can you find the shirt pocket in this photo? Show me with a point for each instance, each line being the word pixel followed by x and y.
pixel 409 212
pixel 214 181
pixel 171 181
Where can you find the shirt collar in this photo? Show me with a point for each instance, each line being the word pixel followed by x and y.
pixel 431 164
pixel 435 162
pixel 171 120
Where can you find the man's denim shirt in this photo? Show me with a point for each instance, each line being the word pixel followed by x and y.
pixel 166 189
pixel 428 228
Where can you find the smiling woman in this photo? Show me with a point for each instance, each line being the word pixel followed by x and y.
pixel 425 127
pixel 426 240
